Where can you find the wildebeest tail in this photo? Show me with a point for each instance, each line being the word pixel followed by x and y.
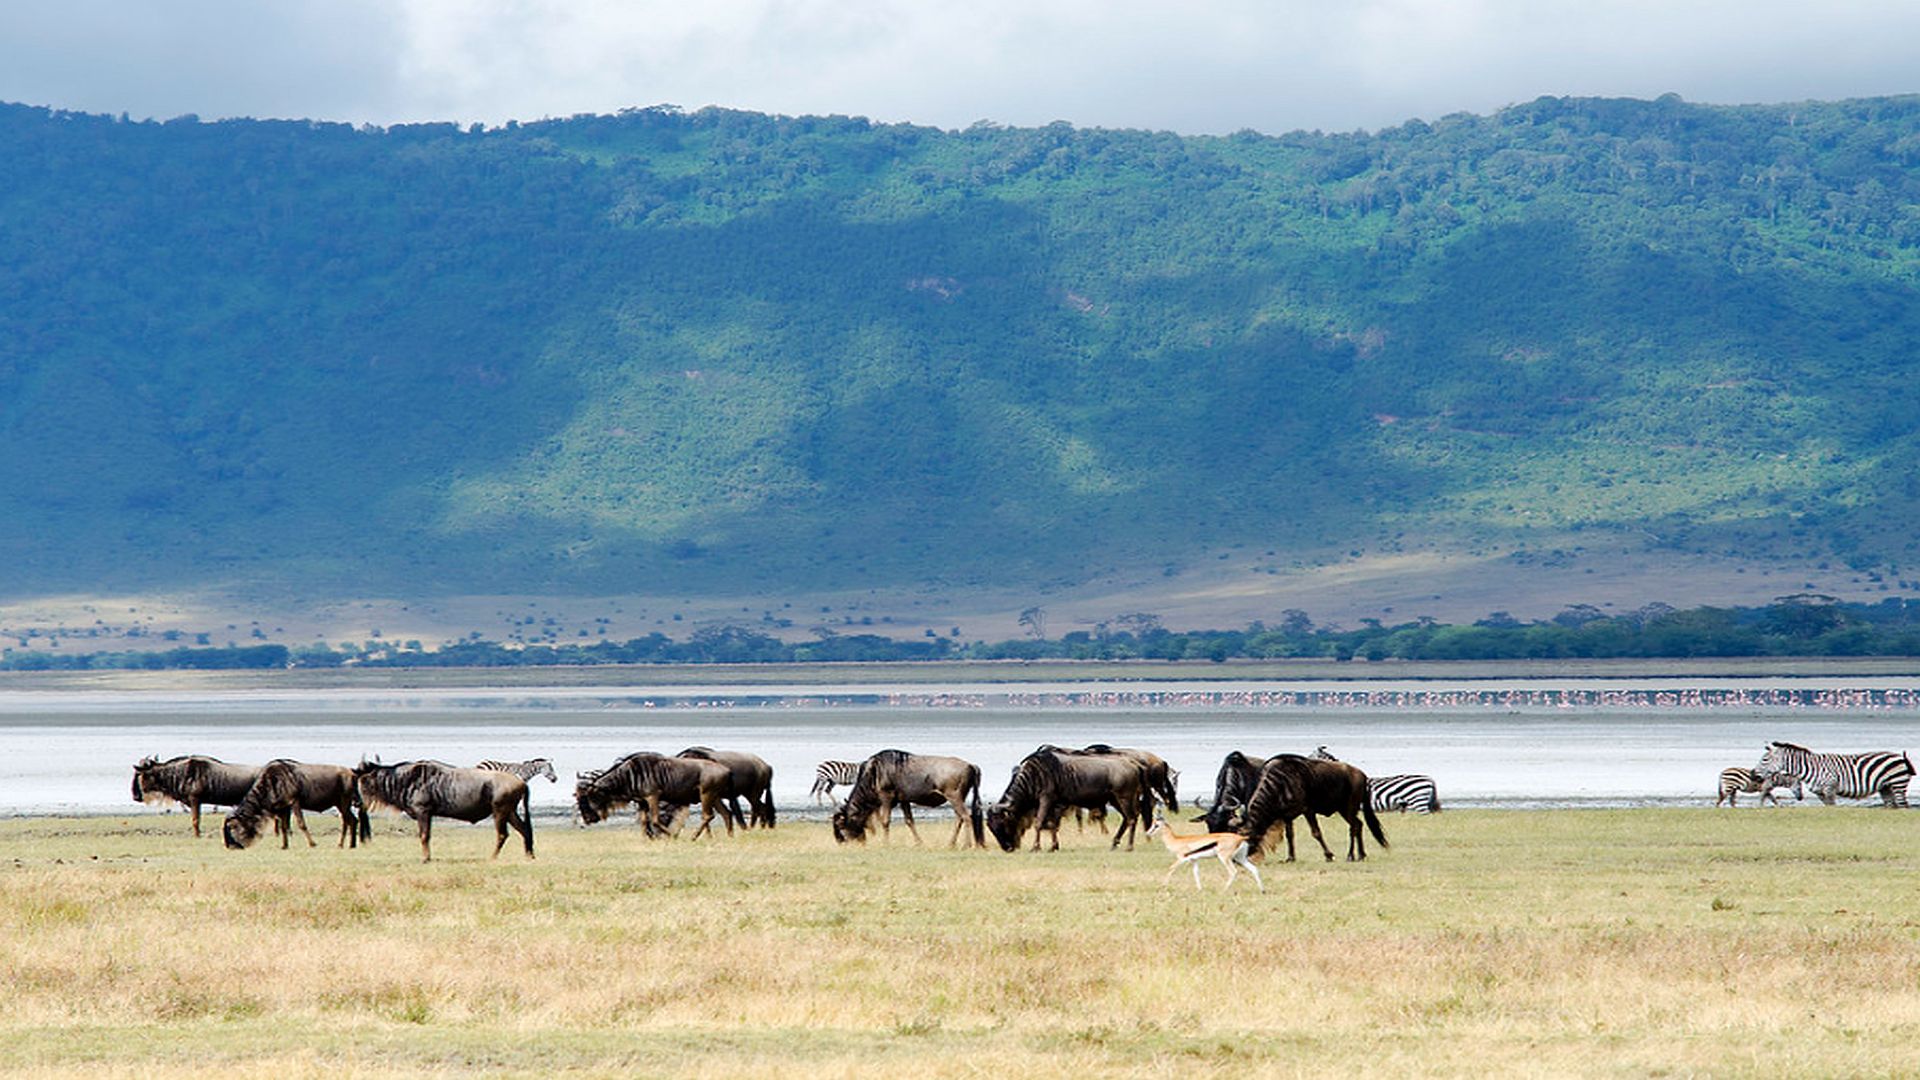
pixel 1373 820
pixel 365 826
pixel 973 806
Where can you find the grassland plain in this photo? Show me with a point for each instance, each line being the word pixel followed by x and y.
pixel 1648 942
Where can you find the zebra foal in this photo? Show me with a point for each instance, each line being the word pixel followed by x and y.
pixel 1737 782
pixel 830 774
pixel 1847 776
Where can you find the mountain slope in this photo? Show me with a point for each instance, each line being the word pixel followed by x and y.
pixel 727 352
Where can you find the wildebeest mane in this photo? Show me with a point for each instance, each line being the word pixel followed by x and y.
pixel 881 768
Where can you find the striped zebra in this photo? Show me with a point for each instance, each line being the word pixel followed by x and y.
pixel 831 773
pixel 1848 776
pixel 1404 793
pixel 1737 782
pixel 525 770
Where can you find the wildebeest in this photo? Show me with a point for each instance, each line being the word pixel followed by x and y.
pixel 1232 787
pixel 286 789
pixel 752 780
pixel 193 781
pixel 896 778
pixel 1162 781
pixel 1289 786
pixel 424 790
pixel 655 780
pixel 1050 781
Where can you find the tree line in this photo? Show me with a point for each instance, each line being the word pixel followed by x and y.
pixel 1798 625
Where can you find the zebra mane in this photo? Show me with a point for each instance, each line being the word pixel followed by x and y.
pixel 1789 746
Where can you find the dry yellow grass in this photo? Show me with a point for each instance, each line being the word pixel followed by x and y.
pixel 1549 943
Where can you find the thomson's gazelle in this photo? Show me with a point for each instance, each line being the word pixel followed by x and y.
pixel 1230 848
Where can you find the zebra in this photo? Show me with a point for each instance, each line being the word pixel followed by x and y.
pixel 1405 792
pixel 1737 782
pixel 1849 776
pixel 1402 793
pixel 831 773
pixel 525 770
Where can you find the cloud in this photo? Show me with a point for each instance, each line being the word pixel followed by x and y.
pixel 1193 66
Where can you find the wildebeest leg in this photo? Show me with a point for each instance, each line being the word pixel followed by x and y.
pixel 1355 841
pixel 1313 823
pixel 706 817
pixel 959 817
pixel 1287 824
pixel 499 829
pixel 426 836
pixel 349 836
pixel 1040 811
pixel 301 819
pixel 194 805
pixel 906 815
pixel 886 818
pixel 1129 821
pixel 280 819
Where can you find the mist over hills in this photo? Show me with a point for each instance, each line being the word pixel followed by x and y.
pixel 723 352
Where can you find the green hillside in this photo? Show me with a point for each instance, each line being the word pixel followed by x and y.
pixel 722 350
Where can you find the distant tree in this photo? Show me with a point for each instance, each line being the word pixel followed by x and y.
pixel 1034 620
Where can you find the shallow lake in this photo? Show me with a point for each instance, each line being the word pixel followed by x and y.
pixel 73 752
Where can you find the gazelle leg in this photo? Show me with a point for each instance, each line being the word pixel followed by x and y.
pixel 1241 858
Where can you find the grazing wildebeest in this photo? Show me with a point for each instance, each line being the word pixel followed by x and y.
pixel 193 781
pixel 287 789
pixel 424 790
pixel 1232 787
pixel 654 780
pixel 752 780
pixel 1289 786
pixel 896 778
pixel 1050 781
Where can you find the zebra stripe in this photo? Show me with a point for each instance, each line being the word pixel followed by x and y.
pixel 1737 782
pixel 831 773
pixel 525 770
pixel 1848 776
pixel 1409 792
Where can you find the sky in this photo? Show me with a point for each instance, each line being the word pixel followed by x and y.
pixel 1192 66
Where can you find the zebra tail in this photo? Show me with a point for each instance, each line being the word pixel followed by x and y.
pixel 1373 822
pixel 766 796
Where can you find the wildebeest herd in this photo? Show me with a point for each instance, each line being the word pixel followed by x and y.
pixel 1251 795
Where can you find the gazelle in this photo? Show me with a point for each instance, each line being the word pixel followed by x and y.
pixel 1230 848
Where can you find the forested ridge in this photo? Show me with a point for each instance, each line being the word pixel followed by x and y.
pixel 727 351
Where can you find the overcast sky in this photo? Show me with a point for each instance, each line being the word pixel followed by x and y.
pixel 1186 65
